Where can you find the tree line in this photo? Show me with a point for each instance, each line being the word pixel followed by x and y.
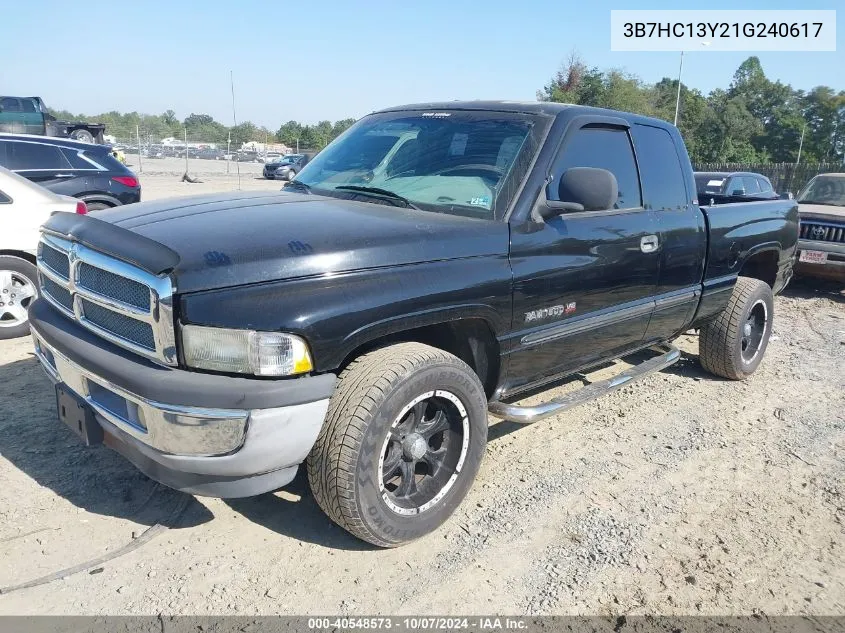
pixel 203 127
pixel 754 120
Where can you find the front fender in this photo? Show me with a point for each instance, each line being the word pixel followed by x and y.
pixel 337 313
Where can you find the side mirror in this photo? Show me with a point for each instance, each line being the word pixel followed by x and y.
pixel 583 189
pixel 786 196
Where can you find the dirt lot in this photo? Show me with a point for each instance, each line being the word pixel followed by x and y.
pixel 161 178
pixel 682 494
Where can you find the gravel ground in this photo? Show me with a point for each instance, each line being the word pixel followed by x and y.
pixel 682 494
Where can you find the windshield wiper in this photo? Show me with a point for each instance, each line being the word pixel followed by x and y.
pixel 295 184
pixel 379 192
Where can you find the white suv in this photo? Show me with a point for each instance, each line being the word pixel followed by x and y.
pixel 24 207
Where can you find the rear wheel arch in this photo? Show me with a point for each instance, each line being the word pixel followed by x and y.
pixel 762 265
pixel 94 198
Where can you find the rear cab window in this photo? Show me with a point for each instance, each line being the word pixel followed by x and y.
pixel 10 104
pixel 663 176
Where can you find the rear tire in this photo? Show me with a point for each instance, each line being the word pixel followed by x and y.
pixel 18 288
pixel 733 344
pixel 84 136
pixel 402 442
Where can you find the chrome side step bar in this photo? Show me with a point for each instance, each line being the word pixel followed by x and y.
pixel 528 415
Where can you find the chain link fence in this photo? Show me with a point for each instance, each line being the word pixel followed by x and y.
pixel 142 147
pixel 785 177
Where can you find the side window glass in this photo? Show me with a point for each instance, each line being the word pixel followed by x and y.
pixel 76 161
pixel 661 173
pixel 605 148
pixel 34 156
pixel 751 185
pixel 765 185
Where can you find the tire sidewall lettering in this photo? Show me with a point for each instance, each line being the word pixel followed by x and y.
pixel 389 525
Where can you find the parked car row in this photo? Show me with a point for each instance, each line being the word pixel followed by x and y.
pixel 202 153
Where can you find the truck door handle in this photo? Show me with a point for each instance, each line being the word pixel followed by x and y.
pixel 648 244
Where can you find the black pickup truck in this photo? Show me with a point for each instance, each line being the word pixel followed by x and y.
pixel 426 269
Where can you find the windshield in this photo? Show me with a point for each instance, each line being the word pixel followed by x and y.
pixel 824 190
pixel 451 162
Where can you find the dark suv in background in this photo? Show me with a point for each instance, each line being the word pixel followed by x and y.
pixel 71 168
pixel 737 185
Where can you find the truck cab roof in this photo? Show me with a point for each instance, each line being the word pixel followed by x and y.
pixel 547 108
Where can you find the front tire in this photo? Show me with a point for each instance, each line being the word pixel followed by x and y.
pixel 402 442
pixel 17 290
pixel 732 345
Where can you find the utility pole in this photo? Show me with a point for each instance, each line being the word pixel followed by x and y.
pixel 138 134
pixel 678 98
pixel 801 144
pixel 234 122
pixel 186 149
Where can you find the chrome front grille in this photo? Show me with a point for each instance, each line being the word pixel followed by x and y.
pixel 113 286
pixel 118 301
pixel 57 261
pixel 131 329
pixel 822 232
pixel 59 294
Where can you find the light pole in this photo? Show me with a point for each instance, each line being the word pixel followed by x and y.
pixel 680 72
pixel 678 98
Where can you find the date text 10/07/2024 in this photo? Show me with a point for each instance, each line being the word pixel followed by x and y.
pixel 418 623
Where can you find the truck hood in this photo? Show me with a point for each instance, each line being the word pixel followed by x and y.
pixel 823 212
pixel 243 238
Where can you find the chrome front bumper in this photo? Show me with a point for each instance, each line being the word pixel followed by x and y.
pixel 172 429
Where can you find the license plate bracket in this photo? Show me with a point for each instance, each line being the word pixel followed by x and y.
pixel 813 257
pixel 79 416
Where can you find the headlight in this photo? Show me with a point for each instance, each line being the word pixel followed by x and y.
pixel 245 351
